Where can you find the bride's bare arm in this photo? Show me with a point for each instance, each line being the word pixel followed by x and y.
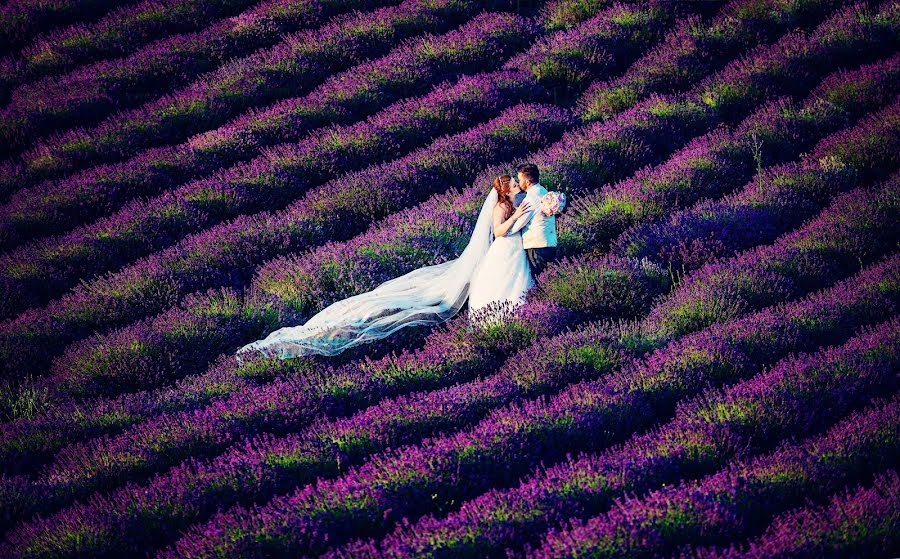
pixel 500 226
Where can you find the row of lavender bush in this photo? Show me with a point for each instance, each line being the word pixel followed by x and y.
pixel 117 33
pixel 303 61
pixel 857 522
pixel 93 91
pixel 510 518
pixel 743 497
pixel 21 20
pixel 430 477
pixel 148 514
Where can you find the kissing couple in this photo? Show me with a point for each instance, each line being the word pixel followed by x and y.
pixel 513 240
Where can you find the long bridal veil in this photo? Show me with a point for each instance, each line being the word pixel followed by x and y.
pixel 428 295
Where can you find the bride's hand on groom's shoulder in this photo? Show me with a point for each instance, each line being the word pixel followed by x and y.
pixel 523 207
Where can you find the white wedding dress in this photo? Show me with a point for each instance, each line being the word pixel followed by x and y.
pixel 504 275
pixel 496 270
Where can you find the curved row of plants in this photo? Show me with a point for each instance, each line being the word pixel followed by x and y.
pixel 23 19
pixel 686 239
pixel 117 33
pixel 857 521
pixel 94 90
pixel 742 498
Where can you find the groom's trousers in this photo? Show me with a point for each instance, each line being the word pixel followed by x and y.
pixel 539 257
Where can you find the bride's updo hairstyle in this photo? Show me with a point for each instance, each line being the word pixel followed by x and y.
pixel 501 185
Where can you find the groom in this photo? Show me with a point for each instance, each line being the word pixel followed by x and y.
pixel 539 233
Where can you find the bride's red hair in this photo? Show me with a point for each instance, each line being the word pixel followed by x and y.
pixel 501 185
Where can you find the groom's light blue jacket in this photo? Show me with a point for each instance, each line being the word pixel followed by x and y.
pixel 538 230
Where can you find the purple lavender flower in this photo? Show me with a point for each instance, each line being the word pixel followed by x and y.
pixel 856 522
pixel 743 496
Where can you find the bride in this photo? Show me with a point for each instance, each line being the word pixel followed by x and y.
pixel 493 268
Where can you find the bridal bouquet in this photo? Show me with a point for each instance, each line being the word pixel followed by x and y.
pixel 552 203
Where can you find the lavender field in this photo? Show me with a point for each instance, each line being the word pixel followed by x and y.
pixel 710 369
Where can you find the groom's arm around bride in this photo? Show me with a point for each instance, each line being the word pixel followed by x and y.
pixel 538 230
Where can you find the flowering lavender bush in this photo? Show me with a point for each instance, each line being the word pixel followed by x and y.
pixel 119 32
pixel 92 91
pixel 23 19
pixel 744 494
pixel 706 370
pixel 858 521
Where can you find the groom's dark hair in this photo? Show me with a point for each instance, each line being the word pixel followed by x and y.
pixel 530 170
